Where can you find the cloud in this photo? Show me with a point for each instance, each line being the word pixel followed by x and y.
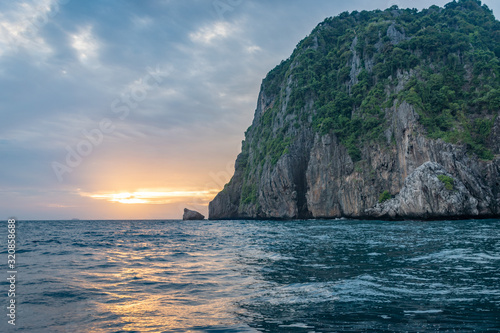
pixel 20 25
pixel 86 46
pixel 142 22
pixel 207 34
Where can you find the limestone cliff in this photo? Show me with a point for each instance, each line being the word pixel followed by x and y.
pixel 369 119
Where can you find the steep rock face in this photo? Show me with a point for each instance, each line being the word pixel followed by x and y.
pixel 424 195
pixel 329 165
pixel 323 145
pixel 337 189
pixel 283 187
pixel 226 203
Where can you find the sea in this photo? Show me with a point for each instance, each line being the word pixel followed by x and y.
pixel 253 276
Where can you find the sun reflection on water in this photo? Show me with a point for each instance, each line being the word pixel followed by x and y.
pixel 152 292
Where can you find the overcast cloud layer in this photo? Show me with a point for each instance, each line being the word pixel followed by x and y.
pixel 171 85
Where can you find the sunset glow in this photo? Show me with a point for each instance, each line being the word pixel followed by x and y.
pixel 156 197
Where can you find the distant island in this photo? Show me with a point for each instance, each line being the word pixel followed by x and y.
pixel 192 215
pixel 377 114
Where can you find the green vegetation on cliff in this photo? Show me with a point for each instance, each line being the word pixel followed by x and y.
pixel 384 196
pixel 341 78
pixel 448 182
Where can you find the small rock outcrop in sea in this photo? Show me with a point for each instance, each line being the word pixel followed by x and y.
pixel 380 114
pixel 192 215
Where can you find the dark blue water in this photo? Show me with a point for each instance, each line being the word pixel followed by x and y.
pixel 255 276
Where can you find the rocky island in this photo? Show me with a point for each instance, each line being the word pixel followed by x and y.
pixel 192 215
pixel 377 114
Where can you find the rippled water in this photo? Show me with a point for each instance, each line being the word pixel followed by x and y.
pixel 256 276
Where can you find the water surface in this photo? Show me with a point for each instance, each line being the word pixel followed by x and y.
pixel 257 276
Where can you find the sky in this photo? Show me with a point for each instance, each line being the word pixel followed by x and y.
pixel 124 109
